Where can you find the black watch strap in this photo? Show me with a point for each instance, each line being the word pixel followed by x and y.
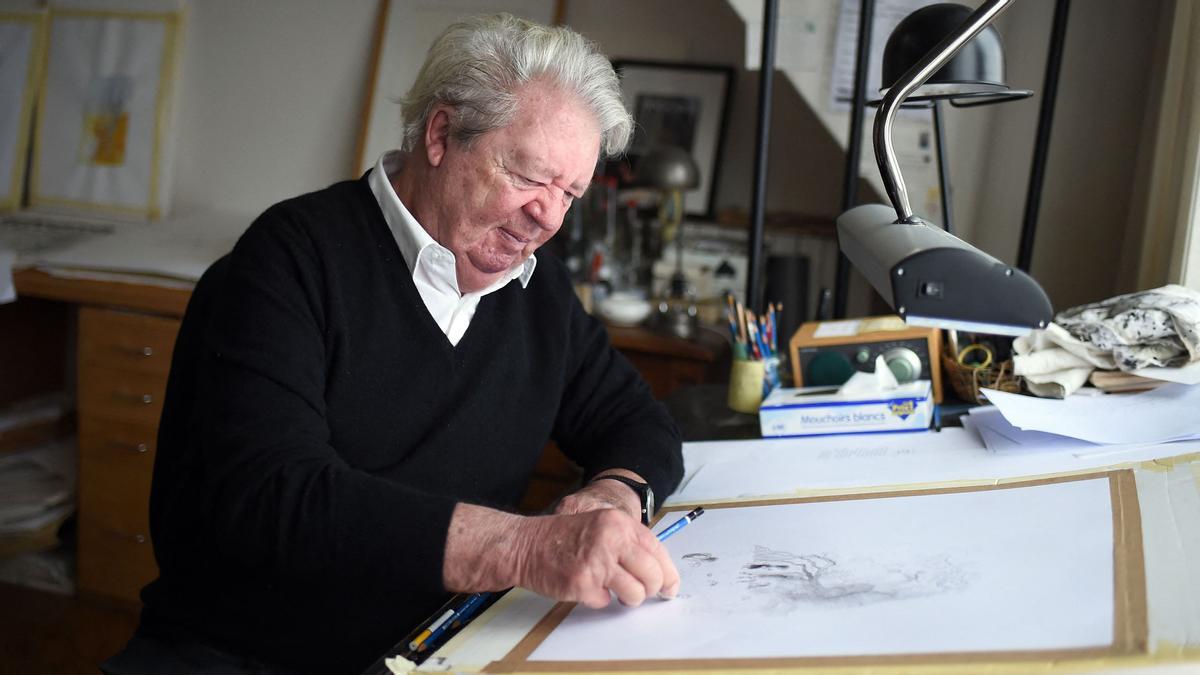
pixel 644 493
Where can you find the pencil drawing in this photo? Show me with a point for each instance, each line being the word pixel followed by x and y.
pixel 698 559
pixel 785 580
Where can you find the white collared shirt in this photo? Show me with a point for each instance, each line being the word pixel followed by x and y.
pixel 431 264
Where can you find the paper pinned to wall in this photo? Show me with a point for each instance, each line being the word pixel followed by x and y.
pixel 20 45
pixel 907 574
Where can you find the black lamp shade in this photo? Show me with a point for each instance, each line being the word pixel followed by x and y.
pixel 978 69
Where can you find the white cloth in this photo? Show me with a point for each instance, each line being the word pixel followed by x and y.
pixel 431 264
pixel 1160 327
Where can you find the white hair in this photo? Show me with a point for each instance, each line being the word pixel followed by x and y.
pixel 476 66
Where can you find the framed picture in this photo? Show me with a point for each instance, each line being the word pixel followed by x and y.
pixel 20 58
pixel 102 133
pixel 680 104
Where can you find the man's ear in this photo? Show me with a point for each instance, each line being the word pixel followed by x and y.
pixel 437 135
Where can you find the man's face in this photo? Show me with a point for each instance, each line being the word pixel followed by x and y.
pixel 498 201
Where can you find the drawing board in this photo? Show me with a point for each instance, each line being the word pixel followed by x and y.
pixel 20 56
pixel 102 118
pixel 1033 569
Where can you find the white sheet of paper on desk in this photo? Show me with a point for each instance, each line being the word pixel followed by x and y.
pixel 725 470
pixel 933 573
pixel 8 291
pixel 1001 436
pixel 1167 413
pixel 182 247
pixel 1189 374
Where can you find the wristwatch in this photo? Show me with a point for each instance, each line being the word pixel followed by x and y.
pixel 644 492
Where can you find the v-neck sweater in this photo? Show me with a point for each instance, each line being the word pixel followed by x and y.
pixel 319 429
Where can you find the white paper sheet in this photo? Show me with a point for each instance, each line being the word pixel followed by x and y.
pixel 1189 374
pixel 1016 569
pixel 181 247
pixel 1170 412
pixel 1001 436
pixel 724 470
pixel 8 292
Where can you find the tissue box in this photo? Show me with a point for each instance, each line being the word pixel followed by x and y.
pixel 818 410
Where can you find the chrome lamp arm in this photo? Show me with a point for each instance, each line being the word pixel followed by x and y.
pixel 885 153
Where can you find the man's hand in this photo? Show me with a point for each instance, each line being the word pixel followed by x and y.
pixel 601 494
pixel 581 557
pixel 576 558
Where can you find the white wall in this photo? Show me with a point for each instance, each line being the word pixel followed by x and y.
pixel 270 99
pixel 1091 173
pixel 272 92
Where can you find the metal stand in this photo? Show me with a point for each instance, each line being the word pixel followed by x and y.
pixel 754 285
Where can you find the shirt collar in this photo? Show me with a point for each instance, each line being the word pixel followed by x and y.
pixel 409 235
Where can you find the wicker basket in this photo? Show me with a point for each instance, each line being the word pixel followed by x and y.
pixel 967 382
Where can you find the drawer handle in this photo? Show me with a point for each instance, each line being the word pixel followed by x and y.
pixel 135 398
pixel 131 447
pixel 146 350
pixel 118 534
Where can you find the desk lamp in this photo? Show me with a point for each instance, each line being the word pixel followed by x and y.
pixel 973 77
pixel 671 170
pixel 929 276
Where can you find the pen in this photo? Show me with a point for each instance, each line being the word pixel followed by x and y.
pixel 448 620
pixel 429 630
pixel 679 524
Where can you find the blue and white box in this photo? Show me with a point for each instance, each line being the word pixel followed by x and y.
pixel 812 411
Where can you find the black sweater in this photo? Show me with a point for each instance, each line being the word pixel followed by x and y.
pixel 319 428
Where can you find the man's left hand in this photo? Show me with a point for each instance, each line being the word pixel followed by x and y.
pixel 603 494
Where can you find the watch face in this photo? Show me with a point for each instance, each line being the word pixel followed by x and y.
pixel 649 503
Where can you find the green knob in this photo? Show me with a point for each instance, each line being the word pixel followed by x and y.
pixel 904 364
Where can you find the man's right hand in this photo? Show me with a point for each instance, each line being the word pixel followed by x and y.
pixel 575 558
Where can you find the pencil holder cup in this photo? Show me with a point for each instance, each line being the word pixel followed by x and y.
pixel 746 385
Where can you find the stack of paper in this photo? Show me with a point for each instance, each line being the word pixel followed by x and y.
pixel 1162 415
pixel 37 493
pixel 999 435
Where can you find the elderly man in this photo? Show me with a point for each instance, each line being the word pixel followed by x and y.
pixel 362 387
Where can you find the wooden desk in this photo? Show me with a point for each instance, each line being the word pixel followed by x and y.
pixel 114 342
pixel 111 343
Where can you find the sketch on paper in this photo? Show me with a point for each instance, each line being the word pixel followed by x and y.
pixel 786 579
pixel 775 582
pixel 913 574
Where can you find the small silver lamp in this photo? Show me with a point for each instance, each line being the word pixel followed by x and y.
pixel 671 170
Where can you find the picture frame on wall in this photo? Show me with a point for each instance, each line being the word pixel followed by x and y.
pixel 680 104
pixel 20 60
pixel 102 139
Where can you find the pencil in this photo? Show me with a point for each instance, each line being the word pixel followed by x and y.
pixel 679 524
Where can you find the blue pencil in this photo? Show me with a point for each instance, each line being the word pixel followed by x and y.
pixel 679 524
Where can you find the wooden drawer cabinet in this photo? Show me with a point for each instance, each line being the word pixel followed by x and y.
pixel 132 342
pixel 124 359
pixel 113 562
pixel 118 460
pixel 120 394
